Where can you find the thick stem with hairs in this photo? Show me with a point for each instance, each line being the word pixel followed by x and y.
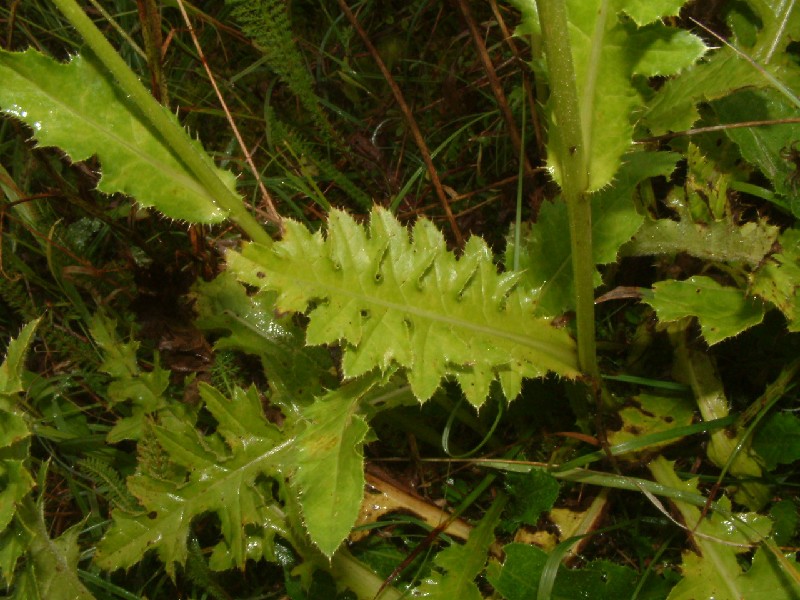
pixel 574 166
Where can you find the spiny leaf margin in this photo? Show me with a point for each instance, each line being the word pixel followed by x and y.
pixel 397 299
pixel 609 54
pixel 77 107
pixel 211 475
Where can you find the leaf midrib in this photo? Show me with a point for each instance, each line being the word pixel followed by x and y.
pixel 551 349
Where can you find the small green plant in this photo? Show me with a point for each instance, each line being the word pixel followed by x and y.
pixel 365 320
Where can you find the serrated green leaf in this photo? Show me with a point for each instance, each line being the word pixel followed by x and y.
pixel 674 107
pixel 518 577
pixel 530 494
pixel 16 482
pixel 461 564
pixel 785 519
pixel 51 571
pixel 723 311
pixel 780 25
pixel 668 50
pixel 768 148
pixel 14 364
pixel 603 71
pixel 614 218
pixel 220 477
pixel 413 304
pixel 646 11
pixel 545 260
pixel 328 464
pixel 722 241
pixel 778 278
pixel 545 250
pixel 715 571
pixel 77 107
pixel 241 419
pixel 296 372
pixel 706 190
pixel 705 578
pixel 13 429
pixel 119 359
pixel 606 54
pixel 777 440
pixel 13 543
pixel 765 580
pixel 145 390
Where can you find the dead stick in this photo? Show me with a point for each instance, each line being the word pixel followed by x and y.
pixel 494 83
pixel 411 122
pixel 271 212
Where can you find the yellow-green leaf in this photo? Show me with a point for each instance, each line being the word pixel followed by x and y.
pixel 77 107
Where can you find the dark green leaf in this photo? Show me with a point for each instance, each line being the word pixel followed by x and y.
pixel 768 148
pixel 218 478
pixel 461 564
pixel 530 494
pixel 778 278
pixel 777 440
pixel 544 256
pixel 394 301
pixel 722 311
pixel 518 577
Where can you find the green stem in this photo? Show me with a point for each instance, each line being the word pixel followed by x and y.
pixel 173 134
pixel 360 579
pixel 573 161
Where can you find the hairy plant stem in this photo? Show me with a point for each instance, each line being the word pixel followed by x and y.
pixel 574 167
pixel 159 118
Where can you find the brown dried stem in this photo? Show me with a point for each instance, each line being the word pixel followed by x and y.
pixel 494 83
pixel 271 213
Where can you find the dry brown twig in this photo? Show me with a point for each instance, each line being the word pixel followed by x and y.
pixel 271 213
pixel 410 121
